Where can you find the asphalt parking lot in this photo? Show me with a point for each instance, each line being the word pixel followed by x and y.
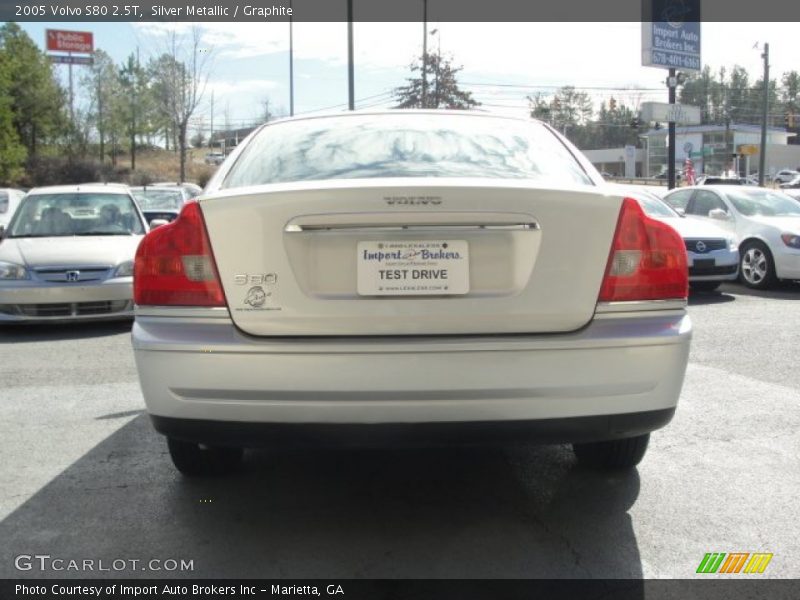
pixel 83 476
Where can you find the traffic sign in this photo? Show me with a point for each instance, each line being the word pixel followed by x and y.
pixel 682 114
pixel 72 60
pixel 748 149
pixel 59 40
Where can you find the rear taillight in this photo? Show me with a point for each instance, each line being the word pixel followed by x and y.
pixel 174 264
pixel 647 260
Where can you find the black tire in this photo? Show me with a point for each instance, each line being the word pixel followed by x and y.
pixel 704 286
pixel 753 272
pixel 613 454
pixel 194 460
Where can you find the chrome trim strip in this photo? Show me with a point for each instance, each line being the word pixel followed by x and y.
pixel 217 312
pixel 345 227
pixel 640 305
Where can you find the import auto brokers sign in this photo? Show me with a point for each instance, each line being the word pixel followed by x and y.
pixel 59 40
pixel 671 34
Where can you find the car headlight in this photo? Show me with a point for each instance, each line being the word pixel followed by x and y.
pixel 124 270
pixel 791 239
pixel 10 271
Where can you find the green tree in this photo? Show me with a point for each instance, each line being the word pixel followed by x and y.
pixel 440 86
pixel 103 83
pixel 36 100
pixel 136 101
pixel 569 111
pixel 12 152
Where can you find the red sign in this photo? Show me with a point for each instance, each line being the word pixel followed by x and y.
pixel 69 41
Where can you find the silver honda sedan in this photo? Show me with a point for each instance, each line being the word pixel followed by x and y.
pixel 405 275
pixel 68 255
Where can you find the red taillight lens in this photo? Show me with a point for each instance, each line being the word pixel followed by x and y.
pixel 647 260
pixel 174 264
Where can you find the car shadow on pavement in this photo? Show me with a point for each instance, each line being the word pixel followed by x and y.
pixel 715 297
pixel 519 511
pixel 11 333
pixel 783 290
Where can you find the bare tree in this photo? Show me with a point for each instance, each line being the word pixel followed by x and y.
pixel 183 74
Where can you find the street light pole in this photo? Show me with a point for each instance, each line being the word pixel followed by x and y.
pixel 351 103
pixel 762 157
pixel 671 84
pixel 291 64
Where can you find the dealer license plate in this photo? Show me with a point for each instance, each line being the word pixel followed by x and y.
pixel 413 268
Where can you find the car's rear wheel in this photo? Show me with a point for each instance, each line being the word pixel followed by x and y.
pixel 757 269
pixel 195 460
pixel 613 454
pixel 704 286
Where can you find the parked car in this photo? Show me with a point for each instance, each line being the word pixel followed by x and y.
pixel 718 180
pixel 792 183
pixel 9 200
pixel 160 203
pixel 410 274
pixel 214 158
pixel 712 252
pixel 766 222
pixel 67 254
pixel 192 189
pixel 785 175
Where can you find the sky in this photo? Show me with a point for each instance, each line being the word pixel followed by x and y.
pixel 502 62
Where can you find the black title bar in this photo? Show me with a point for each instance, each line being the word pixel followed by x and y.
pixel 387 10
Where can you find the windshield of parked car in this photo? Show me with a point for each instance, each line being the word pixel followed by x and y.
pixel 405 145
pixel 655 207
pixel 158 199
pixel 764 203
pixel 81 213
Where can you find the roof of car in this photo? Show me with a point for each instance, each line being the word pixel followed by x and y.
pixel 161 188
pixel 109 188
pixel 401 111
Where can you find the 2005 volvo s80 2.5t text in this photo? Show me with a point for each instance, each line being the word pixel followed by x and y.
pixel 410 275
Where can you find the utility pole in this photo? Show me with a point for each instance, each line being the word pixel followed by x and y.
pixel 762 156
pixel 351 87
pixel 71 94
pixel 671 85
pixel 211 133
pixel 291 64
pixel 135 81
pixel 424 53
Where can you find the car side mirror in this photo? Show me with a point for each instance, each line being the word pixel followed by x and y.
pixel 718 214
pixel 681 211
pixel 157 223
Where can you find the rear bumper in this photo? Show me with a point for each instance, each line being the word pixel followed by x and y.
pixel 203 369
pixel 253 435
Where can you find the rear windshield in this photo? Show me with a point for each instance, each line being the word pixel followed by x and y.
pixel 83 213
pixel 155 199
pixel 411 145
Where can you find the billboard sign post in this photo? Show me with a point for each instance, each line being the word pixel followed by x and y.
pixel 79 42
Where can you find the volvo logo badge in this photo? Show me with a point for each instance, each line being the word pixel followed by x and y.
pixel 72 276
pixel 700 246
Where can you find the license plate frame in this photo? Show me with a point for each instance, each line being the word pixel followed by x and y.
pixel 412 268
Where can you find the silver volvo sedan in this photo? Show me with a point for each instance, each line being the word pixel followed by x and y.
pixel 68 255
pixel 410 275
